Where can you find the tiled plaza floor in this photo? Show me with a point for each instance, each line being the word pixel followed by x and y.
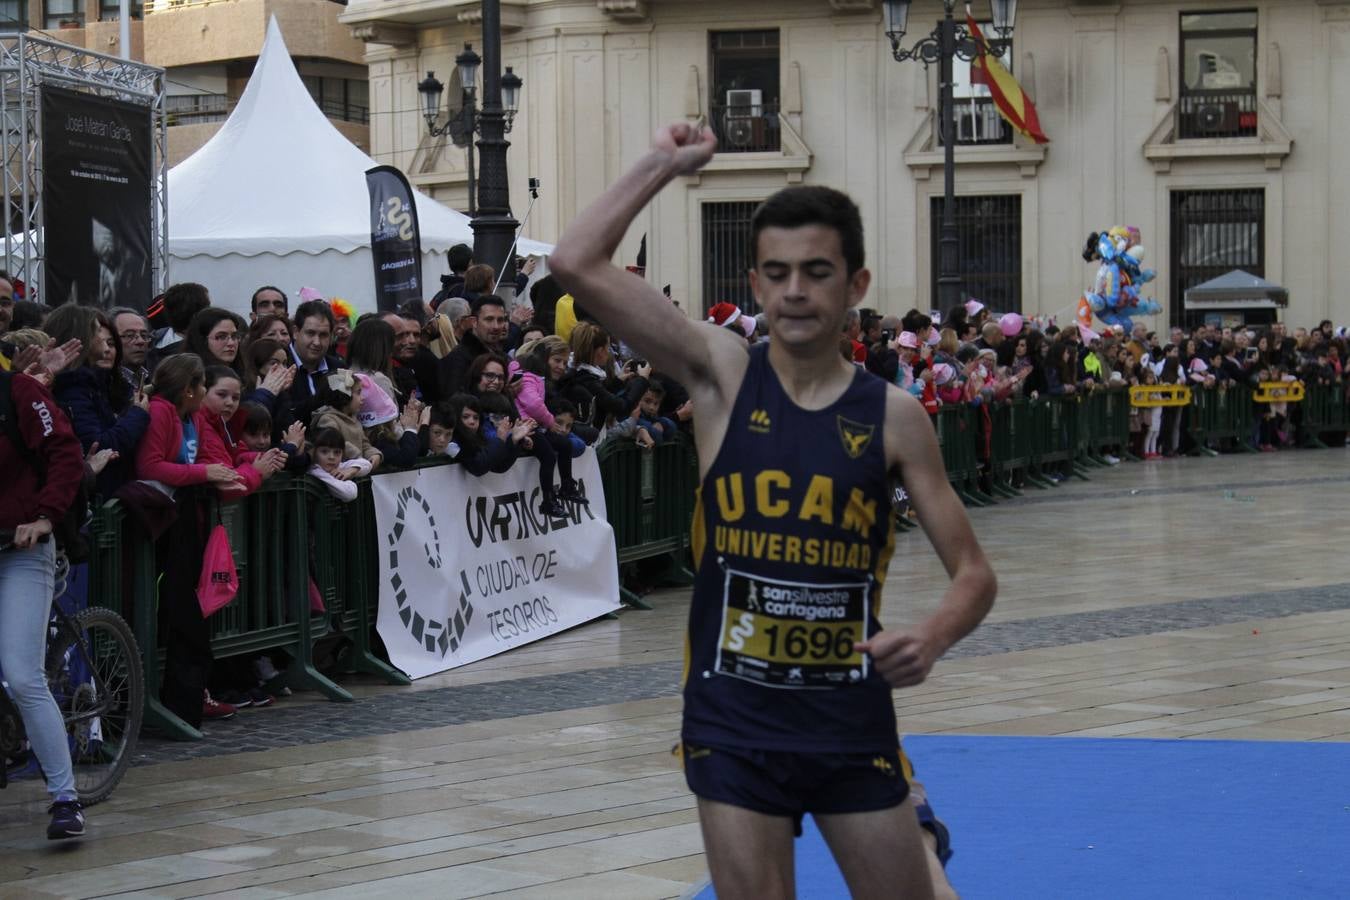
pixel 1176 599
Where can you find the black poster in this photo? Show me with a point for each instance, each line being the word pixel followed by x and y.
pixel 96 196
pixel 395 245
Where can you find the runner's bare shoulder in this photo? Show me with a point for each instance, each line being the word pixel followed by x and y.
pixel 910 437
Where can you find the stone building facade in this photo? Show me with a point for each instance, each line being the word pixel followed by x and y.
pixel 1210 125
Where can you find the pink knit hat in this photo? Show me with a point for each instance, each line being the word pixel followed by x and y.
pixel 908 340
pixel 943 373
pixel 377 407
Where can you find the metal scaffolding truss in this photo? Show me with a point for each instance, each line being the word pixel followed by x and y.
pixel 27 63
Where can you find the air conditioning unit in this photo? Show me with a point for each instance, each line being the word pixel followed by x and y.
pixel 745 104
pixel 1216 118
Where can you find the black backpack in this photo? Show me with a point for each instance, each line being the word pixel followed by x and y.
pixel 66 531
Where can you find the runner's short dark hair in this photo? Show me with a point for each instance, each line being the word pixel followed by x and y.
pixel 796 207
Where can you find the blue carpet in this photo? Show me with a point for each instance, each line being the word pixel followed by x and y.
pixel 1120 818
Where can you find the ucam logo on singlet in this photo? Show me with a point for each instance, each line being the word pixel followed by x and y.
pixel 773 494
pixel 469 567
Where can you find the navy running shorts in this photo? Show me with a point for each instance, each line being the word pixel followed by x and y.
pixel 793 784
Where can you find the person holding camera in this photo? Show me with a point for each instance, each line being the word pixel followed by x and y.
pixel 44 464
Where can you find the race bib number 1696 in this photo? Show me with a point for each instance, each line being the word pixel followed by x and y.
pixel 792 635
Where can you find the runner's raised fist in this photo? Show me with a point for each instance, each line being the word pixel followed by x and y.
pixel 690 147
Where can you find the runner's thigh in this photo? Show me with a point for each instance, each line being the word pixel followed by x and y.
pixel 749 853
pixel 880 853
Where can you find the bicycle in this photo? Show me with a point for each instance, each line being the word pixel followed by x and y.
pixel 93 668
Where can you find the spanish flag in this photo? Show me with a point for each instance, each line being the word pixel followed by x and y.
pixel 1012 102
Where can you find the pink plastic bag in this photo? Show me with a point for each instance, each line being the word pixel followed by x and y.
pixel 315 598
pixel 219 581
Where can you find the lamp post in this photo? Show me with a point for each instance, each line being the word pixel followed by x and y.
pixel 494 228
pixel 949 40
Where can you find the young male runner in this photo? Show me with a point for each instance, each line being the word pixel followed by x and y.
pixel 788 705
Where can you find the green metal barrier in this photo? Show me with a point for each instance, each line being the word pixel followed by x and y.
pixel 269 538
pixel 1221 413
pixel 1104 425
pixel 649 495
pixel 1011 446
pixel 122 576
pixel 1054 439
pixel 347 572
pixel 1326 408
pixel 1088 427
pixel 957 428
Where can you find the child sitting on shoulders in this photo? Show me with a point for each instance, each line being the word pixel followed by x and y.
pixel 334 467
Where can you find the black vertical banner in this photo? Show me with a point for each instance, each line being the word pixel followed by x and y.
pixel 96 198
pixel 395 244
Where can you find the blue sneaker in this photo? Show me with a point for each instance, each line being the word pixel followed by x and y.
pixel 67 820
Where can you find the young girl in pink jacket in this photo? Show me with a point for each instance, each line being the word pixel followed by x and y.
pixel 215 443
pixel 535 364
pixel 167 458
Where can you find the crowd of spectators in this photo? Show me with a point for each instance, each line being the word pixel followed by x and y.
pixel 192 406
pixel 973 357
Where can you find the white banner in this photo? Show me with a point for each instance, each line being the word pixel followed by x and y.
pixel 469 567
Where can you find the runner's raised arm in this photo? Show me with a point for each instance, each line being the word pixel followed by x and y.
pixel 629 307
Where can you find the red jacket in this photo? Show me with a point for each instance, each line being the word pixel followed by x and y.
pixel 930 398
pixel 157 455
pixel 214 445
pixel 48 434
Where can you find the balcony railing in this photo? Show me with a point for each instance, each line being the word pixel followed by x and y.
pixel 195 109
pixel 746 129
pixel 977 122
pixel 1216 114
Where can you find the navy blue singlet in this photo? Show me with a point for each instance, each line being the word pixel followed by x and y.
pixel 792 536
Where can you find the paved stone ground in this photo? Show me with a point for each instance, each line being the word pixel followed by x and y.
pixel 395 712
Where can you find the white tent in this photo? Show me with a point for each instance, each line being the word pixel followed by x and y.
pixel 278 196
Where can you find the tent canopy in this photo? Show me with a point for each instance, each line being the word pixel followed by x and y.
pixel 278 179
pixel 1236 290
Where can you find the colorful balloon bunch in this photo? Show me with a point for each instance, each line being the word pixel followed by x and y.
pixel 1115 291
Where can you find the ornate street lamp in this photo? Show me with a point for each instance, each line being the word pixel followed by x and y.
pixel 948 41
pixel 501 102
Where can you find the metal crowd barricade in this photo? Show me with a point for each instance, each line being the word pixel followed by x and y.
pixel 957 428
pixel 650 497
pixel 1326 408
pixel 270 540
pixel 1221 413
pixel 1114 422
pixel 123 576
pixel 346 574
pixel 1011 446
pixel 1054 439
pixel 1089 431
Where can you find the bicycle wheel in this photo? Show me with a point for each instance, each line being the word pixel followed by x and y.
pixel 95 675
